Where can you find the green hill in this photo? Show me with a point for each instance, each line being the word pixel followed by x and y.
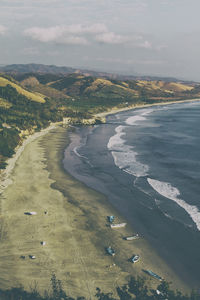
pixel 29 95
pixel 22 111
pixel 80 85
pixel 29 102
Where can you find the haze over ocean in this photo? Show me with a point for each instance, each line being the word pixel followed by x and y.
pixel 147 162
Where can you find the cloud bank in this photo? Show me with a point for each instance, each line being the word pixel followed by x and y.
pixel 79 34
pixel 75 34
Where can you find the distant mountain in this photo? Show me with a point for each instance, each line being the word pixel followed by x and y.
pixel 62 70
pixel 36 68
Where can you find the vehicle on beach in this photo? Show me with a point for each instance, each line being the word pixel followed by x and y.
pixel 133 237
pixel 135 258
pixel 30 213
pixel 110 219
pixel 32 257
pixel 110 251
pixel 118 225
pixel 151 273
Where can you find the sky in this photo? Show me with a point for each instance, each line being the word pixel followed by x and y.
pixel 136 37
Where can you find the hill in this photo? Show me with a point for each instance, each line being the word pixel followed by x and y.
pixel 29 95
pixel 22 112
pixel 30 101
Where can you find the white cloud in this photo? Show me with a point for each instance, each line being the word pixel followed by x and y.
pixel 74 40
pixel 111 38
pixel 3 30
pixel 44 34
pixel 79 34
pixel 75 34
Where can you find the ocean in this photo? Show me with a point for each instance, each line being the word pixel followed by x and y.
pixel 147 163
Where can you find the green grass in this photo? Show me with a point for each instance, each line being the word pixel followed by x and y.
pixel 29 95
pixel 4 103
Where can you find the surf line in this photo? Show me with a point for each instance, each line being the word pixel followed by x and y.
pixel 168 191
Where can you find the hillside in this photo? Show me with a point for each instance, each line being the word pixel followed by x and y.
pixel 111 92
pixel 29 95
pixel 22 112
pixel 30 101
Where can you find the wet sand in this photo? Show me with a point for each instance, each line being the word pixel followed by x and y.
pixel 75 229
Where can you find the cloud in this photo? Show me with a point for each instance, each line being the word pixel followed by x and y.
pixel 133 40
pixel 3 30
pixel 44 34
pixel 75 34
pixel 111 38
pixel 75 40
pixel 79 34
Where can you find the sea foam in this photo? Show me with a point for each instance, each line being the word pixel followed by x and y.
pixel 116 141
pixel 134 119
pixel 124 155
pixel 167 190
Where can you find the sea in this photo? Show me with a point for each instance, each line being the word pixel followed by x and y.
pixel 147 163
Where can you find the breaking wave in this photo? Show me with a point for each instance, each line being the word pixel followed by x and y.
pixel 167 190
pixel 134 119
pixel 124 155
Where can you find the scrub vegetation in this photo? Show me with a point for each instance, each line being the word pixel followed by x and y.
pixel 135 289
pixel 30 101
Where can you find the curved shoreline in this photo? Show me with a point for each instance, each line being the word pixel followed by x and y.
pixel 176 264
pixel 5 173
pixel 118 110
pixel 5 181
pixel 75 226
pixel 80 210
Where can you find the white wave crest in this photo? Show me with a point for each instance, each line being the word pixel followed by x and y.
pixel 124 155
pixel 134 119
pixel 115 142
pixel 167 190
pixel 127 161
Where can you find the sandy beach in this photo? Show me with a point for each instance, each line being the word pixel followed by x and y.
pixel 135 106
pixel 75 229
